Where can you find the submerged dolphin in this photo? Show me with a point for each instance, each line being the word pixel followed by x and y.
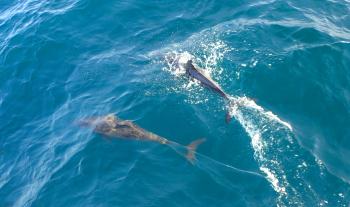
pixel 113 126
pixel 184 62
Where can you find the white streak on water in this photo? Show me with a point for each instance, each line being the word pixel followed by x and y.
pixel 261 125
pixel 273 180
pixel 246 102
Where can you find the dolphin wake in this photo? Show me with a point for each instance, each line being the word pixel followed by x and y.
pixel 279 156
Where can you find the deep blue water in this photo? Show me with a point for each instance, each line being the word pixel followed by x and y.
pixel 285 63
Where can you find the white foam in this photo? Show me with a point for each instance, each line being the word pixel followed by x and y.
pixel 260 126
pixel 207 54
pixel 184 57
pixel 257 142
pixel 213 54
pixel 273 180
pixel 177 68
pixel 246 102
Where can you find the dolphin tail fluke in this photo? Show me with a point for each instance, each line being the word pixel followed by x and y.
pixel 191 150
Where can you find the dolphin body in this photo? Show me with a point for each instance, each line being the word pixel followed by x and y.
pixel 194 71
pixel 112 126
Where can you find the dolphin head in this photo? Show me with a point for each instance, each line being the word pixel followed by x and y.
pixel 177 62
pixel 103 124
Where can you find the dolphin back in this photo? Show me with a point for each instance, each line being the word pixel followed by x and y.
pixel 198 74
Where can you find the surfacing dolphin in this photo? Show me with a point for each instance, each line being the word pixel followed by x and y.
pixel 112 126
pixel 184 62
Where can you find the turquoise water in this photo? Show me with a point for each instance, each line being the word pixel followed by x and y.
pixel 285 63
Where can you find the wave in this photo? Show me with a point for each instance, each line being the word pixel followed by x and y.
pixel 45 159
pixel 26 15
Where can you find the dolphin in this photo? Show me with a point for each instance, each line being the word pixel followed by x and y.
pixel 184 62
pixel 112 126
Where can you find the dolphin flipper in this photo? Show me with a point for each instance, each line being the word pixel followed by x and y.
pixel 191 150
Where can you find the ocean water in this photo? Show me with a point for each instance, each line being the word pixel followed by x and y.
pixel 286 65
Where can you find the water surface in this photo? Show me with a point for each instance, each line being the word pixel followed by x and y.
pixel 285 63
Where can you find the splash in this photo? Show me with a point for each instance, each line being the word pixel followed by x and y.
pixel 214 53
pixel 207 55
pixel 178 69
